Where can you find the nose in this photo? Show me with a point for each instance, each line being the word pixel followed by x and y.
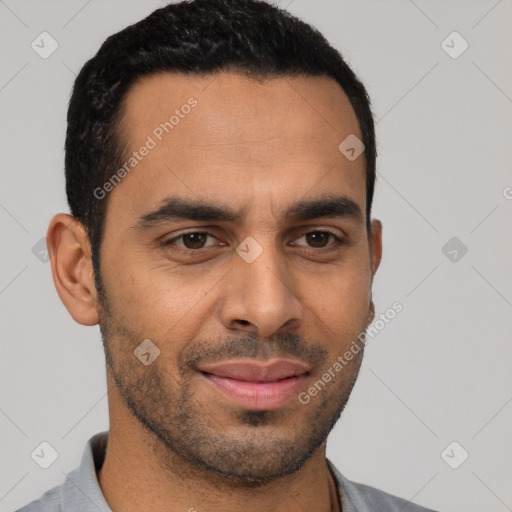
pixel 260 297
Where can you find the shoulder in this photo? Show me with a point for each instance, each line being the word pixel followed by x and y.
pixel 357 497
pixel 80 490
pixel 50 501
pixel 376 500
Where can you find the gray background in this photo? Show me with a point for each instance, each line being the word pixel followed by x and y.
pixel 438 373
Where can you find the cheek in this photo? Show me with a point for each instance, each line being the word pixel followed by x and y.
pixel 158 301
pixel 353 290
pixel 342 300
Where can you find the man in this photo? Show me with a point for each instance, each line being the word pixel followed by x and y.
pixel 220 168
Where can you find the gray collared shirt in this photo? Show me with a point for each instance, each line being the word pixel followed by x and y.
pixel 80 492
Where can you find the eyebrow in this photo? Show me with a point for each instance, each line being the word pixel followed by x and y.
pixel 176 208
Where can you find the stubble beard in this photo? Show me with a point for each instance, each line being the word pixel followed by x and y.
pixel 252 449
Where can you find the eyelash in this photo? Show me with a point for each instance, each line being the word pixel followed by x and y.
pixel 338 241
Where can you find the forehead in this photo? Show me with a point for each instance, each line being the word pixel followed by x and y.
pixel 230 137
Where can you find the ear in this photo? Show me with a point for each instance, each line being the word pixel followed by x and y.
pixel 375 257
pixel 70 256
pixel 376 245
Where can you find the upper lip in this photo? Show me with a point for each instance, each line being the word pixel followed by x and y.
pixel 253 370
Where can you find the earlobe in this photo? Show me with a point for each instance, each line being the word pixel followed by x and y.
pixel 70 257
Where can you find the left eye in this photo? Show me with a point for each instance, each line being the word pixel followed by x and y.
pixel 319 239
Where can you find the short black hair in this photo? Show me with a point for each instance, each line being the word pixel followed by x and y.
pixel 252 37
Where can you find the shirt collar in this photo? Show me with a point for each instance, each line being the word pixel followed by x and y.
pixel 81 488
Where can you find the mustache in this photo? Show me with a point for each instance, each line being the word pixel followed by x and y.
pixel 286 345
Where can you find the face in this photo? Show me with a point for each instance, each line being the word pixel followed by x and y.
pixel 238 245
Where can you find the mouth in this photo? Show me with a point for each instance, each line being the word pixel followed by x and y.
pixel 256 385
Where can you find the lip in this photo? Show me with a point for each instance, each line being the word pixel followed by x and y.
pixel 257 385
pixel 253 370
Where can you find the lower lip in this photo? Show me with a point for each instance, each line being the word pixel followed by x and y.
pixel 259 396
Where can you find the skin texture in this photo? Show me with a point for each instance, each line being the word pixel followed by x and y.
pixel 176 443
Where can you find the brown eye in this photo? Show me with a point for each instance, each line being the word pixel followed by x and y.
pixel 195 240
pixel 320 239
